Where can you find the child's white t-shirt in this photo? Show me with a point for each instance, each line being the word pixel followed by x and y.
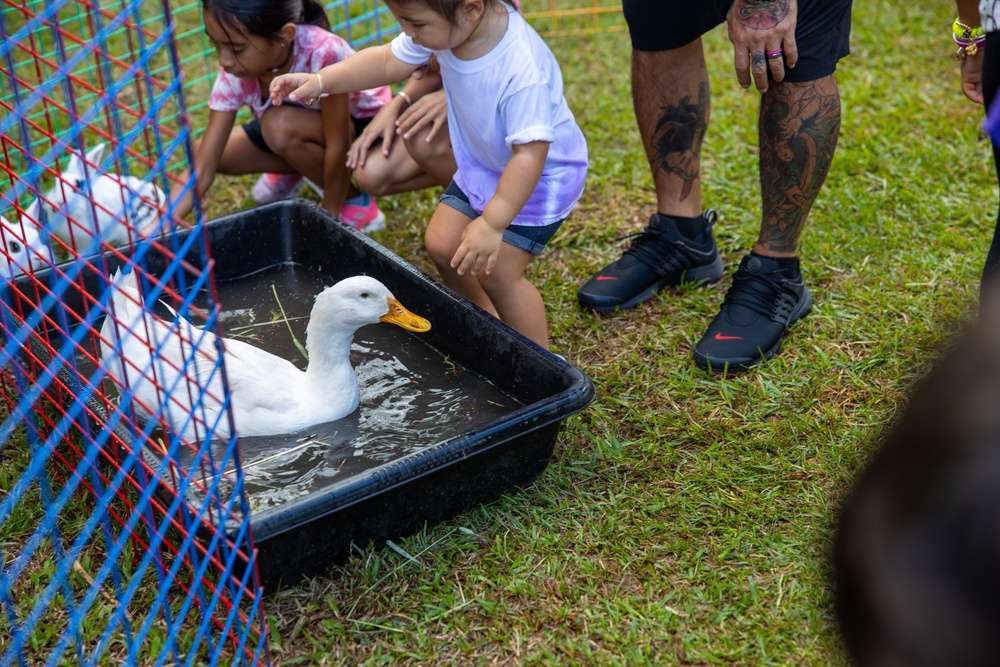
pixel 511 95
pixel 314 49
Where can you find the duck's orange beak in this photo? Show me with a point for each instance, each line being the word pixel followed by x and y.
pixel 400 316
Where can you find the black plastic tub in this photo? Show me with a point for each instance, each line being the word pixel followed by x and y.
pixel 373 499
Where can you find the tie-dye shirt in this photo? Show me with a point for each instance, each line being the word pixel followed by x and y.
pixel 314 49
pixel 511 95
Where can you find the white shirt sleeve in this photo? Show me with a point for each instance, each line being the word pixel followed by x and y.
pixel 527 116
pixel 406 51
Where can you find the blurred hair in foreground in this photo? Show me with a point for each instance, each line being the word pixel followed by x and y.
pixel 917 552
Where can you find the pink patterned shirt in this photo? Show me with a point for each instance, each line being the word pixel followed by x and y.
pixel 314 49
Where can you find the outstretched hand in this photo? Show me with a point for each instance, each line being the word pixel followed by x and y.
pixel 431 111
pixel 763 37
pixel 296 86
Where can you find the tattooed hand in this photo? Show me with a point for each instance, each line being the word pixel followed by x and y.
pixel 763 37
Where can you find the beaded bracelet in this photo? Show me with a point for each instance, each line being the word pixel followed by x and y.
pixel 970 40
pixel 962 31
pixel 969 47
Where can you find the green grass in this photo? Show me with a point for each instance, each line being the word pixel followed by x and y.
pixel 686 518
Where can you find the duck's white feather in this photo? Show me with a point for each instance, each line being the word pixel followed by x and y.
pixel 270 395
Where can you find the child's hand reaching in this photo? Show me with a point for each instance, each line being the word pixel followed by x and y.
pixel 479 249
pixel 296 86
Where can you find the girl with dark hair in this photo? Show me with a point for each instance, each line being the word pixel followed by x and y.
pixel 256 41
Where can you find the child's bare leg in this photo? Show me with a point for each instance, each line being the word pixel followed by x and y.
pixel 434 157
pixel 517 301
pixel 442 238
pixel 387 175
pixel 241 156
pixel 412 164
pixel 296 135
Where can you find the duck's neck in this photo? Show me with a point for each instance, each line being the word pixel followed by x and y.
pixel 328 350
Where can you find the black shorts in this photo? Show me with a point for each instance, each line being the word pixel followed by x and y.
pixel 256 135
pixel 822 31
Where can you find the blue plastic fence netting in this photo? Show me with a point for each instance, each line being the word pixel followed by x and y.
pixel 124 527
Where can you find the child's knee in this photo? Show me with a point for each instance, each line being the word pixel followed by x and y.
pixel 426 153
pixel 280 132
pixel 439 247
pixel 374 178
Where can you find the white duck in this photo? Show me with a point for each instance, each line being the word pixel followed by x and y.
pixel 269 394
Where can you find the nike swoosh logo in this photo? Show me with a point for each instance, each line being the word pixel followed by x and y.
pixel 720 336
pixel 607 277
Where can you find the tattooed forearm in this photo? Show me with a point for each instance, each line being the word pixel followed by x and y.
pixel 676 144
pixel 799 128
pixel 761 14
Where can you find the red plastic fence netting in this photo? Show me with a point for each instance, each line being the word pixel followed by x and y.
pixel 124 528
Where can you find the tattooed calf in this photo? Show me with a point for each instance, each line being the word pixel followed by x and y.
pixel 676 143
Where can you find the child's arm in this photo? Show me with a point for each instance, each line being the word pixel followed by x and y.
pixel 335 111
pixel 368 68
pixel 482 238
pixel 972 66
pixel 206 159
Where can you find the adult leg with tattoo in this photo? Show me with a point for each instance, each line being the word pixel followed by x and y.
pixel 799 127
pixel 671 98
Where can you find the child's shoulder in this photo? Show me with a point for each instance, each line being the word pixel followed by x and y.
pixel 317 47
pixel 312 36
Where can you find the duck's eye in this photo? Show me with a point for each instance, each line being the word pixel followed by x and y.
pixel 79 183
pixel 366 295
pixel 13 246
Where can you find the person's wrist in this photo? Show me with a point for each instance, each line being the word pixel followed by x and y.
pixel 403 95
pixel 492 221
pixel 970 39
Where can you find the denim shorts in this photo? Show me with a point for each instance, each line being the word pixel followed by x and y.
pixel 529 238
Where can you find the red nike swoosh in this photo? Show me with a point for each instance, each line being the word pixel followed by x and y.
pixel 720 336
pixel 607 277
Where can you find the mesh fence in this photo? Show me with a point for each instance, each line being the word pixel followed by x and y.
pixel 115 410
pixel 101 562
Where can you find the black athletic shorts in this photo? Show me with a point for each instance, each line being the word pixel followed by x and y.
pixel 256 135
pixel 822 31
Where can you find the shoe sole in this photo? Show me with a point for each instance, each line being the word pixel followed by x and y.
pixel 738 366
pixel 702 275
pixel 291 193
pixel 376 224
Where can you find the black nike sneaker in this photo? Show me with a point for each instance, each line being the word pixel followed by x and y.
pixel 759 306
pixel 659 256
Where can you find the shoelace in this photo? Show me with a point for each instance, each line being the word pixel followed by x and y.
pixel 661 254
pixel 763 294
